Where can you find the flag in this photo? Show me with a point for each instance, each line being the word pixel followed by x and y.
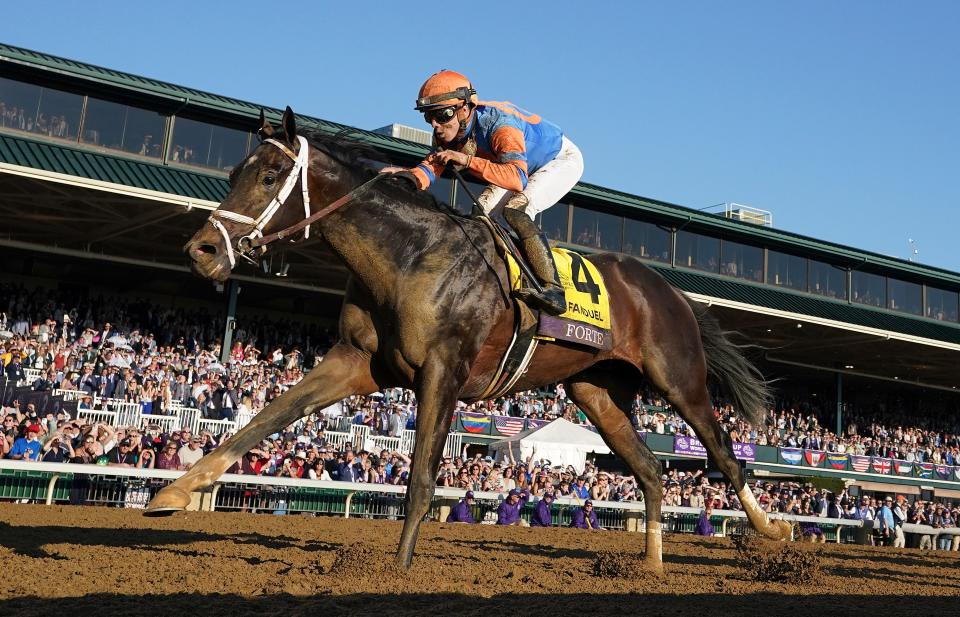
pixel 508 426
pixel 791 455
pixel 837 461
pixel 813 457
pixel 537 423
pixel 859 463
pixel 881 465
pixel 904 468
pixel 943 471
pixel 924 470
pixel 475 422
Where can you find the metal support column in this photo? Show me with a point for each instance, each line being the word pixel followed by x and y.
pixel 839 404
pixel 233 290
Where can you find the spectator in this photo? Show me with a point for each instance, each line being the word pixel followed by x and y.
pixel 27 448
pixel 542 517
pixel 704 527
pixel 885 520
pixel 508 513
pixel 585 517
pixel 122 455
pixel 461 513
pixel 190 453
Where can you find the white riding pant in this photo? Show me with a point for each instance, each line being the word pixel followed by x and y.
pixel 545 187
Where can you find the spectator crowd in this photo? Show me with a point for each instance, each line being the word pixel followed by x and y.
pixel 131 350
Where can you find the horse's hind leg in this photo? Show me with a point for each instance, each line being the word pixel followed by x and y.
pixel 686 389
pixel 343 372
pixel 605 396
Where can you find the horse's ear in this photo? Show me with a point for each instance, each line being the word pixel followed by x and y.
pixel 289 125
pixel 266 129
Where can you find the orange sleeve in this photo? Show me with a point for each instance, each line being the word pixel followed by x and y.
pixel 509 170
pixel 427 171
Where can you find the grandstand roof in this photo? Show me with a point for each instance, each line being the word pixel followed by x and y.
pixel 180 98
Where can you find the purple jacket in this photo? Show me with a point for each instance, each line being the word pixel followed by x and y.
pixel 541 515
pixel 704 528
pixel 461 513
pixel 579 519
pixel 509 514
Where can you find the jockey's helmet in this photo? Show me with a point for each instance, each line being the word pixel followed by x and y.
pixel 445 88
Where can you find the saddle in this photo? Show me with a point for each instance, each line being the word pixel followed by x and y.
pixel 586 321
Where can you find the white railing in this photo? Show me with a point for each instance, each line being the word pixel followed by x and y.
pixel 631 510
pixel 215 427
pixel 167 424
pixel 31 375
pixel 382 442
pixel 98 415
pixel 337 440
pixel 359 433
pixel 69 395
pixel 189 417
pixel 408 439
pixel 453 445
pixel 243 418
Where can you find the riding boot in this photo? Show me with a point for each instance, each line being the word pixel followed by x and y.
pixel 540 257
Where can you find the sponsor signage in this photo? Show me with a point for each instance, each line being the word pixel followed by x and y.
pixel 691 446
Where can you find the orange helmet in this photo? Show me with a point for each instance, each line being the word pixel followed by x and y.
pixel 442 88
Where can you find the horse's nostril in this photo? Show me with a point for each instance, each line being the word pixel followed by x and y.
pixel 205 249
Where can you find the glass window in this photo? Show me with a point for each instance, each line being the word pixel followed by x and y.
pixel 464 203
pixel 18 104
pixel 597 229
pixel 553 222
pixel 696 251
pixel 206 145
pixel 870 289
pixel 49 112
pixel 121 127
pixel 906 297
pixel 440 188
pixel 785 270
pixel 741 260
pixel 646 240
pixel 942 304
pixel 827 280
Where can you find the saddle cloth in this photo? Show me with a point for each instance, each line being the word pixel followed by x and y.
pixel 587 318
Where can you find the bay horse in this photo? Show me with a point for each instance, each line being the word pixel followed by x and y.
pixel 427 307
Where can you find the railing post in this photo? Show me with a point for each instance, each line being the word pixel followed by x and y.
pixel 346 505
pixel 50 487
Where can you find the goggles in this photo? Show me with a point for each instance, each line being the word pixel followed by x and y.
pixel 442 115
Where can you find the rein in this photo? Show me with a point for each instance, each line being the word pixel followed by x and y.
pixel 255 240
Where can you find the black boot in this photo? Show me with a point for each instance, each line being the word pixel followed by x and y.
pixel 538 254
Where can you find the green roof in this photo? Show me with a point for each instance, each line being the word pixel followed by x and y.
pixel 108 168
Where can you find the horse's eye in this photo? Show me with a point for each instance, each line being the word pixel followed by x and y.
pixel 269 179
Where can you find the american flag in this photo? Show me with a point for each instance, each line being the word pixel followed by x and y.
pixel 508 426
pixel 859 463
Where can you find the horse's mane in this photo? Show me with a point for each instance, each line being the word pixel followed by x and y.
pixel 361 158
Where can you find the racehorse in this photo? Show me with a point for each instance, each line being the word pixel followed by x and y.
pixel 427 307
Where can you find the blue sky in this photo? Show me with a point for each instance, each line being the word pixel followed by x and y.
pixel 839 117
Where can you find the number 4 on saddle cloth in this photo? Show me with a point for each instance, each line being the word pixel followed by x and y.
pixel 585 322
pixel 587 318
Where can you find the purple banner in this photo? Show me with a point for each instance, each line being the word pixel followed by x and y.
pixel 691 446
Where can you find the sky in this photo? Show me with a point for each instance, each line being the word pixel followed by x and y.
pixel 838 117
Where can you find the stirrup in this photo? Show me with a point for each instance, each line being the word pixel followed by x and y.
pixel 552 300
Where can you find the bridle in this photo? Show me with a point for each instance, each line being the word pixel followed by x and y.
pixel 255 242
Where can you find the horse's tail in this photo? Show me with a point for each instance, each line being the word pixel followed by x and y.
pixel 727 365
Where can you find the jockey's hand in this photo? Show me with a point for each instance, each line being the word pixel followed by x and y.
pixel 393 170
pixel 448 156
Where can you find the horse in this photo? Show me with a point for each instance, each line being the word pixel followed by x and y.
pixel 427 307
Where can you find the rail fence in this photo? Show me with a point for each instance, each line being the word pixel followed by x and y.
pixel 121 487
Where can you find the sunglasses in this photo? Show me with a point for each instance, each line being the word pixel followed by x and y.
pixel 440 116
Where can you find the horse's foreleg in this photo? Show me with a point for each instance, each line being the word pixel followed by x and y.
pixel 436 396
pixel 344 371
pixel 605 397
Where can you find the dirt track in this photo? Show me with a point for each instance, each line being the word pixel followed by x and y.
pixel 56 560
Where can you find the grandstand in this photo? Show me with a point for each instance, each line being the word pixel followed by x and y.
pixel 104 175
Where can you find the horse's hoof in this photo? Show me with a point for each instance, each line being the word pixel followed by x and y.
pixel 167 501
pixel 780 530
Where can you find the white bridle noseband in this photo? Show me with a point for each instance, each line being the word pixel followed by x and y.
pixel 299 172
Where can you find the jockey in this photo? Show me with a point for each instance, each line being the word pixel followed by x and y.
pixel 526 161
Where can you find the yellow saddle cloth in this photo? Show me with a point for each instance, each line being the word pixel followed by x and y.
pixel 587 298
